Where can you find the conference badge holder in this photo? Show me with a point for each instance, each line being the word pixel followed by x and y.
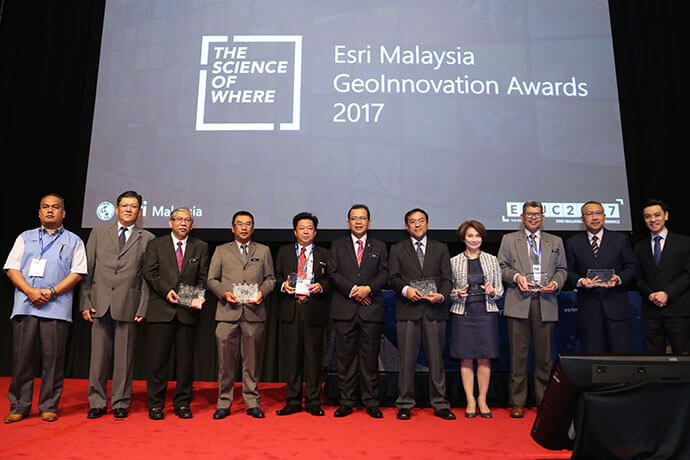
pixel 191 296
pixel 245 292
pixel 603 276
pixel 425 286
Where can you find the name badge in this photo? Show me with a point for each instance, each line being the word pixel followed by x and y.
pixel 302 286
pixel 536 269
pixel 37 268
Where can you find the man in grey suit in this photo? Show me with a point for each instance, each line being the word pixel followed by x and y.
pixel 421 317
pixel 114 297
pixel 531 305
pixel 240 327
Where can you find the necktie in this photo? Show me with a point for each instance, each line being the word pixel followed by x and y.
pixel 420 254
pixel 302 270
pixel 595 246
pixel 179 255
pixel 657 249
pixel 244 252
pixel 533 248
pixel 360 252
pixel 122 238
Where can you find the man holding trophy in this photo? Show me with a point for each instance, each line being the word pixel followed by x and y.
pixel 533 265
pixel 175 267
pixel 600 264
pixel 241 277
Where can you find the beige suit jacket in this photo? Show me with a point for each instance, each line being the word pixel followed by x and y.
pixel 228 268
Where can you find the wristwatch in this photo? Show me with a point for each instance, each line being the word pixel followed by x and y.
pixel 53 292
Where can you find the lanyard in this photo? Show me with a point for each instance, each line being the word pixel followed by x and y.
pixel 55 238
pixel 534 250
pixel 303 268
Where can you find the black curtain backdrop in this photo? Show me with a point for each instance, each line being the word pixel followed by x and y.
pixel 48 66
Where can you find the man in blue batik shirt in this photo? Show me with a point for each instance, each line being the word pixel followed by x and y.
pixel 44 265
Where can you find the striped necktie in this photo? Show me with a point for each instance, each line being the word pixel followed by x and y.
pixel 360 252
pixel 179 256
pixel 595 246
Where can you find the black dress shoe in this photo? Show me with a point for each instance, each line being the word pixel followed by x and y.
pixel 470 414
pixel 343 411
pixel 120 413
pixel 220 414
pixel 316 411
pixel 156 413
pixel 183 412
pixel 288 410
pixel 445 414
pixel 256 412
pixel 404 414
pixel 96 412
pixel 374 412
pixel 485 414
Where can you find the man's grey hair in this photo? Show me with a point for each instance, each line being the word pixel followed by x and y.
pixel 181 209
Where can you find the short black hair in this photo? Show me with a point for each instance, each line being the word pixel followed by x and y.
pixel 582 208
pixel 305 215
pixel 62 200
pixel 654 202
pixel 129 194
pixel 412 211
pixel 242 213
pixel 533 204
pixel 359 206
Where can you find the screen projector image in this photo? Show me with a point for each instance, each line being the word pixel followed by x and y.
pixel 463 108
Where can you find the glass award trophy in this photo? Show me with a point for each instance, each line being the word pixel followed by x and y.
pixel 191 296
pixel 245 292
pixel 536 280
pixel 425 286
pixel 602 275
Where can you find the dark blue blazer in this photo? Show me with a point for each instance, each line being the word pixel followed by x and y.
pixel 344 274
pixel 671 276
pixel 614 252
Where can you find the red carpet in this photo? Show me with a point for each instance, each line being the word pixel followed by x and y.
pixel 242 437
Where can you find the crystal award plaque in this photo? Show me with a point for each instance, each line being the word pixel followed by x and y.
pixel 245 292
pixel 603 276
pixel 190 296
pixel 425 286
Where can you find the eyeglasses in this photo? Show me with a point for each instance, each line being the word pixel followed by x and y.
pixel 421 221
pixel 243 224
pixel 356 218
pixel 592 213
pixel 533 215
pixel 182 219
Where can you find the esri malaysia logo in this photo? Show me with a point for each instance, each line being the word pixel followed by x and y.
pixel 252 83
pixel 105 210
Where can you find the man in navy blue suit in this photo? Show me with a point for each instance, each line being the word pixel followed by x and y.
pixel 603 307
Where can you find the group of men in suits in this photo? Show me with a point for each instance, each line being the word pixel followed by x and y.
pixel 129 275
pixel 600 264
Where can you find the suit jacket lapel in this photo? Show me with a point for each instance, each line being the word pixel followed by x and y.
pixel 521 248
pixel 545 252
pixel 412 253
pixel 136 234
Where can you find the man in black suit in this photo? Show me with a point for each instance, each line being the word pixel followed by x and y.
pixel 421 317
pixel 304 286
pixel 603 311
pixel 358 269
pixel 169 262
pixel 664 283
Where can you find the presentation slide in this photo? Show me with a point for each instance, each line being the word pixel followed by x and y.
pixel 465 108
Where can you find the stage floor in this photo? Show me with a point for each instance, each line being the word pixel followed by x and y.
pixel 242 437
